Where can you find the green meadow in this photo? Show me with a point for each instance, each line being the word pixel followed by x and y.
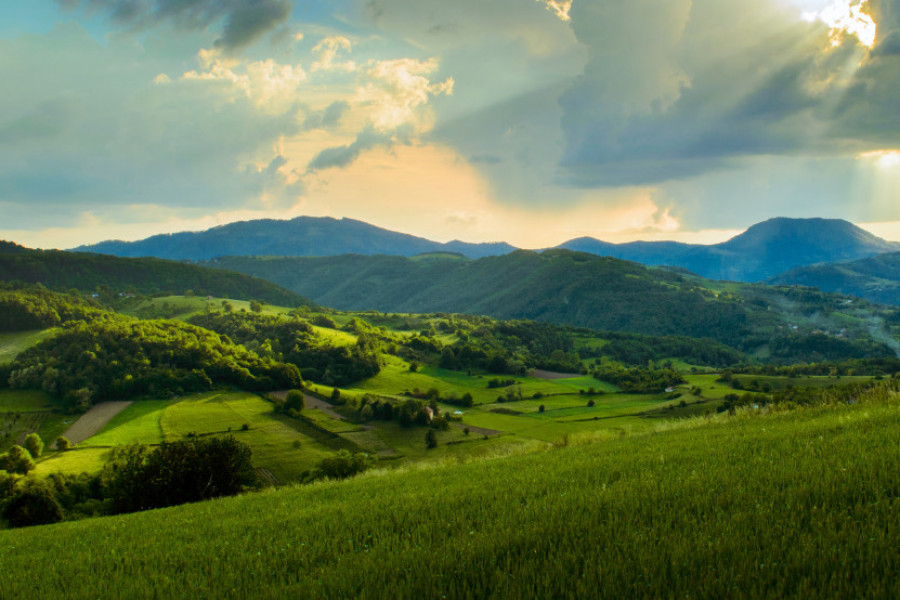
pixel 704 508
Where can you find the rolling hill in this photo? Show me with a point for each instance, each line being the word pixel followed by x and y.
pixel 86 272
pixel 578 289
pixel 876 279
pixel 303 236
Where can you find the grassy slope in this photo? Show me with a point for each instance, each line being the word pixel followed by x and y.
pixel 711 511
pixel 11 344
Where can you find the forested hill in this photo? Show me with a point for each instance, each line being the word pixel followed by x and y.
pixel 303 236
pixel 876 279
pixel 89 272
pixel 574 288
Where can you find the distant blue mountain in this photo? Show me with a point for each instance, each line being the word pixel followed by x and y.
pixel 764 250
pixel 303 236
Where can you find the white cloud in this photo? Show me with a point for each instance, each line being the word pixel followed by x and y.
pixel 327 51
pixel 397 91
pixel 269 85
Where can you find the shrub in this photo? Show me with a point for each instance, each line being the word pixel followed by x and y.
pixel 34 444
pixel 431 439
pixel 63 443
pixel 294 400
pixel 35 505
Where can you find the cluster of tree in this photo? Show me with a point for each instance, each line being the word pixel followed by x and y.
pixel 862 366
pixel 434 395
pixel 123 358
pixel 639 350
pixel 342 465
pixel 819 347
pixel 20 459
pixel 638 380
pixel 35 308
pixel 292 340
pixel 137 479
pixel 408 413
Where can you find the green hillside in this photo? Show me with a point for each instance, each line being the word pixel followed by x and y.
pixel 572 288
pixel 112 276
pixel 790 505
pixel 877 279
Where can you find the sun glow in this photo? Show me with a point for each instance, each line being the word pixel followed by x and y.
pixel 847 17
pixel 884 159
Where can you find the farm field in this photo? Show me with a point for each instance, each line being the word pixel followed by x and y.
pixel 289 447
pixel 748 523
pixel 27 411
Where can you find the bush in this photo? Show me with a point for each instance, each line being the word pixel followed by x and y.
pixel 294 400
pixel 34 444
pixel 431 439
pixel 35 505
pixel 343 465
pixel 63 443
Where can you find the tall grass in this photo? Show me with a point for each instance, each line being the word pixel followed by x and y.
pixel 802 504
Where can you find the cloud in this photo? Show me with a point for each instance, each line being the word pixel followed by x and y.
pixel 74 139
pixel 327 51
pixel 398 88
pixel 242 22
pixel 266 83
pixel 343 156
pixel 654 103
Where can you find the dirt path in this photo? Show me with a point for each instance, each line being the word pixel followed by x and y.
pixel 479 430
pixel 542 374
pixel 315 403
pixel 93 420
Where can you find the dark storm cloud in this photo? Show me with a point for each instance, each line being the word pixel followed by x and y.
pixel 242 22
pixel 343 156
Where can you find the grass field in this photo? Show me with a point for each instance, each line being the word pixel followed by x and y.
pixel 11 344
pixel 803 504
pixel 284 446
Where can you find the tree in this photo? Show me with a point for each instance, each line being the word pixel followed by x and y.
pixel 63 443
pixel 431 439
pixel 34 444
pixel 179 472
pixel 335 396
pixel 343 464
pixel 17 460
pixel 294 400
pixel 541 408
pixel 35 505
pixel 256 306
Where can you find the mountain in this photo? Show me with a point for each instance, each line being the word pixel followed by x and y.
pixel 303 236
pixel 764 250
pixel 86 272
pixel 876 279
pixel 583 290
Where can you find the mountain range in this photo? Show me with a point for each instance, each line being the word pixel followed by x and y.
pixel 303 236
pixel 763 251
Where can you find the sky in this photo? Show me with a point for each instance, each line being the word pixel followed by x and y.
pixel 526 121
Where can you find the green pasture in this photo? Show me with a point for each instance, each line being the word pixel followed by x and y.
pixel 802 504
pixel 12 344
